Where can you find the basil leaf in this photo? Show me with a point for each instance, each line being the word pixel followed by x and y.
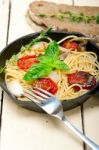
pixel 52 50
pixel 46 60
pixel 60 65
pixel 46 64
pixel 37 71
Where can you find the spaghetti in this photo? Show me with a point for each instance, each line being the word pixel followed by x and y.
pixel 80 61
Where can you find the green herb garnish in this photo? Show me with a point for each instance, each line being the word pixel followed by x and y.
pixel 73 17
pixel 41 15
pixel 97 18
pixel 2 69
pixel 42 35
pixel 59 16
pixel 80 17
pixel 13 58
pixel 46 64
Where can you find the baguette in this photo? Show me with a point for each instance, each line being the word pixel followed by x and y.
pixel 43 13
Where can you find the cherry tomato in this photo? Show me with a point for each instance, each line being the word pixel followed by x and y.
pixel 26 62
pixel 70 45
pixel 86 80
pixel 46 84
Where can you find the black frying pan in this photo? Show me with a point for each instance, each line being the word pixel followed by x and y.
pixel 14 48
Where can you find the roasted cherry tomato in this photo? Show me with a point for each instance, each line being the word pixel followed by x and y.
pixel 26 62
pixel 70 45
pixel 85 79
pixel 46 84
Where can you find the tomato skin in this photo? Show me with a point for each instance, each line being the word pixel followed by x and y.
pixel 86 80
pixel 46 84
pixel 26 62
pixel 70 45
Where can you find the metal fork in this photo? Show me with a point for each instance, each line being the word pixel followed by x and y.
pixel 52 106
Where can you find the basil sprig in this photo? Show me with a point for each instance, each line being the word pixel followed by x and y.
pixel 46 64
pixel 42 35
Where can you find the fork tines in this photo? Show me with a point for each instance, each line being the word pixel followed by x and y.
pixel 37 95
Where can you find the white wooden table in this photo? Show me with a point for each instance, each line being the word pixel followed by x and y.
pixel 23 129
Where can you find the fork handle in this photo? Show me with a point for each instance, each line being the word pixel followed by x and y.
pixel 80 134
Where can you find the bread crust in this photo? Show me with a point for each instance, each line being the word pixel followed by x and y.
pixel 42 7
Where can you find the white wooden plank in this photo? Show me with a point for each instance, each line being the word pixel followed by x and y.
pixel 24 129
pixel 4 5
pixel 91 118
pixel 4 10
pixel 69 2
pixel 18 24
pixel 87 2
pixel 91 107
